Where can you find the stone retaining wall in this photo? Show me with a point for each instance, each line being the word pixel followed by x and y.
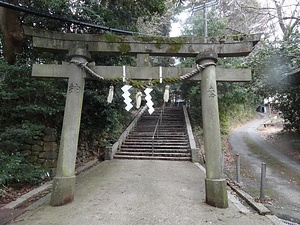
pixel 43 149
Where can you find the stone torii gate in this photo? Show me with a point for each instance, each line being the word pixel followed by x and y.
pixel 80 46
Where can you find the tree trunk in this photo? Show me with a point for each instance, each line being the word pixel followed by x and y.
pixel 12 36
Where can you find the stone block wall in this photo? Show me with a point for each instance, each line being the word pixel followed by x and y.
pixel 42 149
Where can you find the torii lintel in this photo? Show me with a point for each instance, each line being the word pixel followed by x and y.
pixel 108 44
pixel 139 73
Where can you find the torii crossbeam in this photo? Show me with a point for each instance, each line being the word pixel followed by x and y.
pixel 80 46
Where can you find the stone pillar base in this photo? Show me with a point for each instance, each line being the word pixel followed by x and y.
pixel 63 190
pixel 216 192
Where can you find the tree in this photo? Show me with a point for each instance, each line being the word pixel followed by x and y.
pixel 11 30
pixel 282 17
pixel 242 16
pixel 272 65
pixel 277 56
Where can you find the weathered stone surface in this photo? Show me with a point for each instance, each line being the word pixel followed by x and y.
pixel 49 163
pixel 222 74
pixel 36 148
pixel 50 146
pixel 36 137
pixel 50 131
pixel 35 153
pixel 156 46
pixel 41 161
pixel 48 155
pixel 25 147
pixel 63 190
pixel 35 142
pixel 30 142
pixel 216 192
pixel 50 137
pixel 26 152
pixel 31 158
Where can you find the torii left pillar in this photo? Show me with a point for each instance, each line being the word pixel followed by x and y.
pixel 215 184
pixel 63 187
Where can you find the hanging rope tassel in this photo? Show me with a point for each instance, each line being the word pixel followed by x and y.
pixel 110 94
pixel 167 93
pixel 138 98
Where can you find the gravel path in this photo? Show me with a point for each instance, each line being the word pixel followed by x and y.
pixel 282 186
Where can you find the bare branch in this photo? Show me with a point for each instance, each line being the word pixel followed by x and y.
pixel 291 18
pixel 280 16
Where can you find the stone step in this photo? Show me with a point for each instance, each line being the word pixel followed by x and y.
pixel 185 146
pixel 164 127
pixel 151 129
pixel 174 117
pixel 155 141
pixel 171 143
pixel 163 124
pixel 133 150
pixel 148 140
pixel 152 158
pixel 164 120
pixel 160 134
pixel 156 154
pixel 142 138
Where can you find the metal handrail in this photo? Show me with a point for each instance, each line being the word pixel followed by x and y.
pixel 159 120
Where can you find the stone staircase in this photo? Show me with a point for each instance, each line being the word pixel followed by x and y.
pixel 169 143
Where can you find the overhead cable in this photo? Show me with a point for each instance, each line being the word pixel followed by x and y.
pixel 62 19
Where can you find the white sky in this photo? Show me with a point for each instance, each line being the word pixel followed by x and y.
pixel 176 27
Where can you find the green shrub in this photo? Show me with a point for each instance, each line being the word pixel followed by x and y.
pixel 14 136
pixel 15 171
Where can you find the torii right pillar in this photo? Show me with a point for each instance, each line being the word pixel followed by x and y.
pixel 215 184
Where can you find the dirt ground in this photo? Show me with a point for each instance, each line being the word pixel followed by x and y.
pixel 287 142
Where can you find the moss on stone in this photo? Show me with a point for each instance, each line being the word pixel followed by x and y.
pixel 111 38
pixel 149 39
pixel 148 50
pixel 159 41
pixel 235 37
pixel 174 48
pixel 158 45
pixel 124 47
pixel 241 37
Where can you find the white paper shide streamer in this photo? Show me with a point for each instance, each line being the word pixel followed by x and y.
pixel 138 99
pixel 167 93
pixel 110 94
pixel 126 97
pixel 149 101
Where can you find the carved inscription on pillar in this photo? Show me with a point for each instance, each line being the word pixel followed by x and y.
pixel 74 87
pixel 211 92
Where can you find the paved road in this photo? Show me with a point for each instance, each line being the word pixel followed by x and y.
pixel 286 194
pixel 140 192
